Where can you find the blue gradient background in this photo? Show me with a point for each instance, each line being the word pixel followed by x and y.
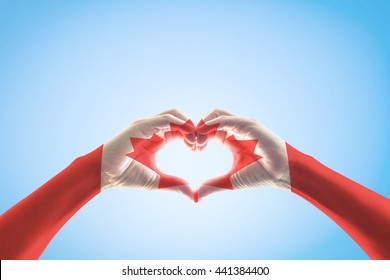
pixel 75 73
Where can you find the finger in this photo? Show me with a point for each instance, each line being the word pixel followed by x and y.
pixel 202 128
pixel 205 191
pixel 191 146
pixel 215 114
pixel 187 128
pixel 176 113
pixel 212 133
pixel 204 132
pixel 173 183
pixel 188 138
pixel 170 127
pixel 201 141
pixel 185 190
pixel 232 125
pixel 204 139
pixel 164 121
pixel 214 185
pixel 186 131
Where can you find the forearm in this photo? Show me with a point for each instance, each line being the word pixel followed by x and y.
pixel 362 213
pixel 27 228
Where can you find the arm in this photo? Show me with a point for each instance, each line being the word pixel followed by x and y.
pixel 360 212
pixel 27 228
pixel 127 160
pixel 260 158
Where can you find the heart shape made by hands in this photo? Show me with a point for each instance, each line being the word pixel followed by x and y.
pixel 194 166
pixel 145 151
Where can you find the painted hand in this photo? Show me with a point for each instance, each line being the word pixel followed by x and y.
pixel 129 159
pixel 259 156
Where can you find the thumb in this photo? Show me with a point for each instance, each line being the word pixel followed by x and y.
pixel 213 185
pixel 173 183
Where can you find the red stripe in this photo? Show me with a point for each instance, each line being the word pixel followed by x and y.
pixel 28 227
pixel 362 213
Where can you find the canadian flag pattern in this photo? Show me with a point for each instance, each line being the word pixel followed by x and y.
pixel 260 158
pixel 129 159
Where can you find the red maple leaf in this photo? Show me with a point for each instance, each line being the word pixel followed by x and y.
pixel 243 154
pixel 145 150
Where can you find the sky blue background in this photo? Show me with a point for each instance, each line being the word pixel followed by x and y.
pixel 75 73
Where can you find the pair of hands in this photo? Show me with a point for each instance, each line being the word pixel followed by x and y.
pixel 129 160
pixel 259 156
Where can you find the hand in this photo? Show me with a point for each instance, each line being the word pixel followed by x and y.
pixel 129 158
pixel 259 156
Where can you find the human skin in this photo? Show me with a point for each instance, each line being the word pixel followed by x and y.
pixel 260 158
pixel 359 211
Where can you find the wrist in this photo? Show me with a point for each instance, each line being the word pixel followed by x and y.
pixel 84 174
pixel 302 169
pixel 91 162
